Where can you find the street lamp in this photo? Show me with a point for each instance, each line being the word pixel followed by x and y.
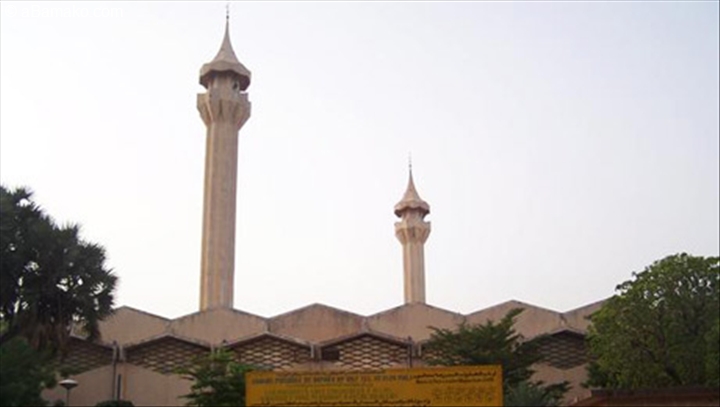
pixel 68 384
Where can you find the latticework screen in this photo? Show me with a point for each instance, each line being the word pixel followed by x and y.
pixel 164 355
pixel 370 353
pixel 271 353
pixel 83 356
pixel 564 350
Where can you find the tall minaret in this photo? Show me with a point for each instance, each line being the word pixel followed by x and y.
pixel 224 108
pixel 413 231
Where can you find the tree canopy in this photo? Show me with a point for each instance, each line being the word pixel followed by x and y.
pixel 661 328
pixel 495 344
pixel 24 373
pixel 51 279
pixel 218 380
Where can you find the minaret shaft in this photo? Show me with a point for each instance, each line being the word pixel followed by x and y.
pixel 219 203
pixel 412 232
pixel 414 272
pixel 224 112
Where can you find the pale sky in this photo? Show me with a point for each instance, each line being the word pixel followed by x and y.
pixel 561 145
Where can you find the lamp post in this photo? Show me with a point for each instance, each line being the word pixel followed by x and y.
pixel 68 384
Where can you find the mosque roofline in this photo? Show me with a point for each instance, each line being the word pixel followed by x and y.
pixel 267 334
pixel 413 304
pixel 355 335
pixel 216 309
pixel 168 335
pixel 316 305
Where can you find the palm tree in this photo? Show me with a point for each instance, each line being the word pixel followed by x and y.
pixel 19 216
pixel 54 281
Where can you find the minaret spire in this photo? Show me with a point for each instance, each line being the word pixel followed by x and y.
pixel 411 199
pixel 225 61
pixel 412 231
pixel 224 108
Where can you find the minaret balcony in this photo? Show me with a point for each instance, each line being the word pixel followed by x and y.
pixel 412 231
pixel 222 105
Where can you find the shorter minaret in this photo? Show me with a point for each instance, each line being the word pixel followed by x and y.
pixel 412 231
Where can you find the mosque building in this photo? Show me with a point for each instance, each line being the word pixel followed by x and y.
pixel 138 352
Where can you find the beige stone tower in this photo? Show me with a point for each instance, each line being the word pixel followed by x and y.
pixel 224 108
pixel 412 231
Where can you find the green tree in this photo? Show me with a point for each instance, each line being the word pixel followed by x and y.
pixel 494 344
pixel 218 380
pixel 712 360
pixel 661 329
pixel 51 279
pixel 24 373
pixel 531 394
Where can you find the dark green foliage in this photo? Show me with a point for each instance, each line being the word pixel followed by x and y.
pixel 661 329
pixel 50 278
pixel 493 344
pixel 24 373
pixel 485 344
pixel 218 380
pixel 115 403
pixel 712 359
pixel 534 394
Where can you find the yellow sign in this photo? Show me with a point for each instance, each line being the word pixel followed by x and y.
pixel 440 386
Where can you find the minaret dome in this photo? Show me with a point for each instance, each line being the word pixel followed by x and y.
pixel 411 200
pixel 225 62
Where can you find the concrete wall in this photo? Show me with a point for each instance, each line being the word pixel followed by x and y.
pixel 316 323
pixel 413 320
pixel 147 388
pixel 315 327
pixel 217 325
pixel 129 325
pixel 94 386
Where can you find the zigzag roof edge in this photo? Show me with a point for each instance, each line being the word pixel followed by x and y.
pixel 206 311
pixel 393 309
pixel 590 305
pixel 519 304
pixel 316 305
pixel 252 337
pixel 139 311
pixel 379 335
pixel 172 335
pixel 98 342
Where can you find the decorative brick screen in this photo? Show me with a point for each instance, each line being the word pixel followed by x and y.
pixel 164 355
pixel 271 353
pixel 564 350
pixel 83 356
pixel 369 353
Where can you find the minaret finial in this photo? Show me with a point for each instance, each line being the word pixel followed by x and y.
pixel 410 162
pixel 227 11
